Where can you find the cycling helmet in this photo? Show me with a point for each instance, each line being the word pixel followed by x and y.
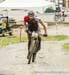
pixel 30 13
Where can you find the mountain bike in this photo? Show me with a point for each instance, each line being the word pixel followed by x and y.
pixel 33 46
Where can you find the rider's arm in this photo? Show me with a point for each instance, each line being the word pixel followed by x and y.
pixel 45 28
pixel 25 21
pixel 25 24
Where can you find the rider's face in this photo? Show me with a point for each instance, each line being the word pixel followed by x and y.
pixel 31 16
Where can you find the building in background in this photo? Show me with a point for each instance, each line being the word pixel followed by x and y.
pixel 65 3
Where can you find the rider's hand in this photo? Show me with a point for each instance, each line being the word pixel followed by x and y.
pixel 45 35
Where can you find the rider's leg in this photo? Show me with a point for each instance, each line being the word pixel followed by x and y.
pixel 29 42
pixel 39 46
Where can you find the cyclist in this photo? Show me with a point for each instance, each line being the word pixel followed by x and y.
pixel 32 23
pixel 4 25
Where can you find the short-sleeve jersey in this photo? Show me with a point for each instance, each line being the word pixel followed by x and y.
pixel 32 24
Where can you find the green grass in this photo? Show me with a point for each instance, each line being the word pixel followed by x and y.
pixel 55 38
pixel 66 47
pixel 4 41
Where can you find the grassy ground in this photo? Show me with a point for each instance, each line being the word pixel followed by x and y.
pixel 55 38
pixel 66 47
pixel 4 41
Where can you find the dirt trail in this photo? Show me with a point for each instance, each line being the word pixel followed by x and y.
pixel 51 60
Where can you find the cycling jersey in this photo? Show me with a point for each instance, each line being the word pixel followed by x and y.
pixel 32 23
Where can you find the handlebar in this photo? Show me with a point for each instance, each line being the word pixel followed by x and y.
pixel 44 35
